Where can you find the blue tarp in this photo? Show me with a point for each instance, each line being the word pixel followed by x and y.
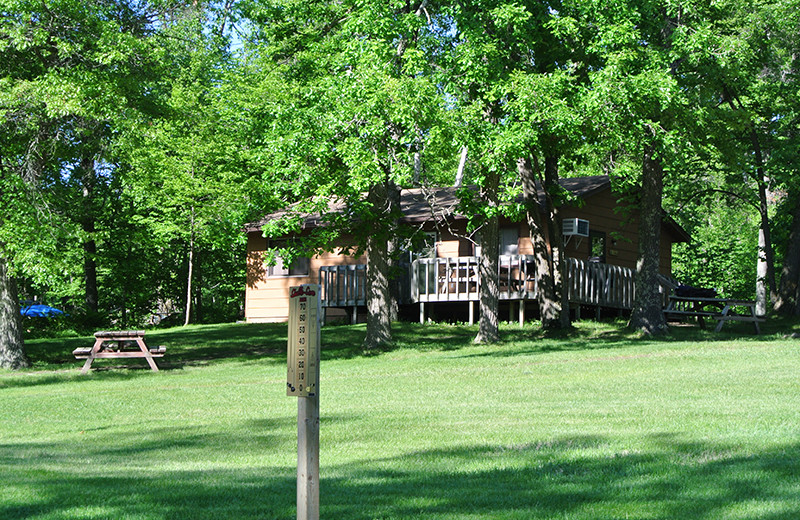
pixel 40 311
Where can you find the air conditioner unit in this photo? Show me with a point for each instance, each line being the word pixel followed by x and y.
pixel 575 227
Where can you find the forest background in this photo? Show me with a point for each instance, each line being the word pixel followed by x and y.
pixel 138 137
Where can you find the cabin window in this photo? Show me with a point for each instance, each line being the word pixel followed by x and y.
pixel 428 246
pixel 422 245
pixel 299 267
pixel 509 241
pixel 597 246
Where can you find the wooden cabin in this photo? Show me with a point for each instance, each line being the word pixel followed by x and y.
pixel 440 271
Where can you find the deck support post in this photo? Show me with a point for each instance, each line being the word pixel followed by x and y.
pixel 471 313
pixel 521 313
pixel 354 315
pixel 422 313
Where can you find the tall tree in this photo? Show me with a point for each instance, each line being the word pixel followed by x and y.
pixel 756 70
pixel 62 63
pixel 528 62
pixel 74 71
pixel 359 102
pixel 476 71
pixel 12 351
pixel 641 98
pixel 187 167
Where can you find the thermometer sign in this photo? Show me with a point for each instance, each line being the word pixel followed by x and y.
pixel 304 341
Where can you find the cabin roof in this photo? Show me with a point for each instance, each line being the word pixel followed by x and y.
pixel 419 205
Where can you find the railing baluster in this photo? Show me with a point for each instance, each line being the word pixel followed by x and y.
pixel 458 278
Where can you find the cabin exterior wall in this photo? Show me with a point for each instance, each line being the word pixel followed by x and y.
pixel 266 297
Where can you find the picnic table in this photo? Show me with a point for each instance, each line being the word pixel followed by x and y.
pixel 118 344
pixel 721 309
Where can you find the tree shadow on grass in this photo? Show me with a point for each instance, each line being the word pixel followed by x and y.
pixel 207 344
pixel 554 480
pixel 197 345
pixel 570 477
pixel 106 373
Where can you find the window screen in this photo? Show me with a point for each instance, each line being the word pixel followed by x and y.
pixel 597 246
pixel 509 241
pixel 299 267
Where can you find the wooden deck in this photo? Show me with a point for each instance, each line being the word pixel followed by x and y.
pixel 456 279
pixel 343 285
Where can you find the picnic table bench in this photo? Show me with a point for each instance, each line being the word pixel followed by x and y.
pixel 721 309
pixel 117 344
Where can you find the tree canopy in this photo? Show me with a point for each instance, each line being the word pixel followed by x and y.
pixel 137 138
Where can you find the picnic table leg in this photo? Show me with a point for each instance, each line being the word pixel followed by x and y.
pixel 700 320
pixel 147 356
pixel 95 349
pixel 755 320
pixel 720 323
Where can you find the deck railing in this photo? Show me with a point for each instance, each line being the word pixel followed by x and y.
pixel 457 279
pixel 603 285
pixel 343 285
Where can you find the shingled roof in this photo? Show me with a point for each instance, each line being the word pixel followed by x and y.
pixel 424 204
pixel 419 205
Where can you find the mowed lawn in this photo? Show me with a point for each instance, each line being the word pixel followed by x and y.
pixel 593 424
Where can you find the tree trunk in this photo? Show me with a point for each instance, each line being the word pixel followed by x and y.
pixel 488 322
pixel 557 249
pixel 190 258
pixel 379 326
pixel 462 164
pixel 90 270
pixel 765 249
pixel 761 274
pixel 88 226
pixel 198 287
pixel 548 258
pixel 393 252
pixel 790 274
pixel 12 347
pixel 648 314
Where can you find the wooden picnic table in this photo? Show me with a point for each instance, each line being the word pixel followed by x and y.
pixel 117 344
pixel 721 309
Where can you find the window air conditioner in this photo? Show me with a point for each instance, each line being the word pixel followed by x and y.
pixel 575 227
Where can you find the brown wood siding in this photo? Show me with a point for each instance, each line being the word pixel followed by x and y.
pixel 267 297
pixel 449 244
pixel 621 228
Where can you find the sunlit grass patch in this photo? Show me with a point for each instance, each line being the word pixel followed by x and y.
pixel 589 424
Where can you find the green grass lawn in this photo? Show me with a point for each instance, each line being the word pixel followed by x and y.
pixel 592 424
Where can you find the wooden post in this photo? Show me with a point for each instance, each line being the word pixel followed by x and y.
pixel 303 381
pixel 422 313
pixel 308 458
pixel 472 313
